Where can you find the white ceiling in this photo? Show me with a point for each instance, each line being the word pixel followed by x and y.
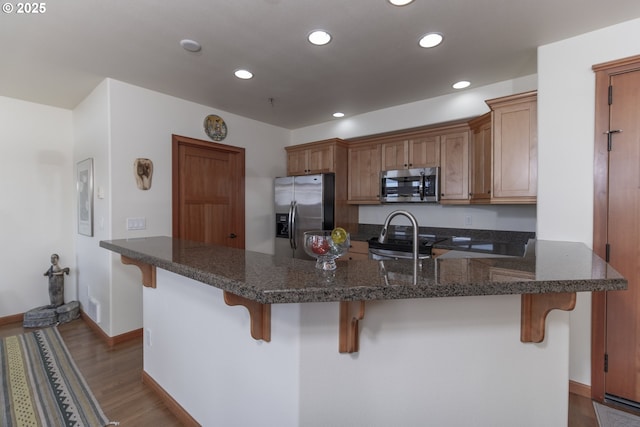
pixel 59 56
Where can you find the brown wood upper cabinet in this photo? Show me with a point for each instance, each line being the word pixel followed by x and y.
pixel 327 156
pixel 421 152
pixel 315 157
pixel 364 173
pixel 491 159
pixel 480 159
pixel 515 148
pixel 454 167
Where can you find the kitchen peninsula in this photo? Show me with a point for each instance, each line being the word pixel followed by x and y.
pixel 419 348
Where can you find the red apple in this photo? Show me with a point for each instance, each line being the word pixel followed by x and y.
pixel 320 246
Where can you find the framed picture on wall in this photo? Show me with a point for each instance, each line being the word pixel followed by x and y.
pixel 84 187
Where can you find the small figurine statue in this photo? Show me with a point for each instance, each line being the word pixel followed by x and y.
pixel 56 281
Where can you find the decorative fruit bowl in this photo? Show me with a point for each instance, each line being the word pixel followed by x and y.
pixel 326 246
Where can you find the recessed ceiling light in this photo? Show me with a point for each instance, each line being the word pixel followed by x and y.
pixel 338 114
pixel 243 74
pixel 190 45
pixel 430 40
pixel 400 2
pixel 319 37
pixel 461 84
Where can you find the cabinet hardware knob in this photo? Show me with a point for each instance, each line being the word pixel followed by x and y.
pixel 232 235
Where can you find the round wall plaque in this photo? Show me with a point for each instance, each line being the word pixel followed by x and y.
pixel 215 127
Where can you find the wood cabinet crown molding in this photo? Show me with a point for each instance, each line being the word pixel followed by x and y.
pixel 411 133
pixel 313 144
pixel 512 99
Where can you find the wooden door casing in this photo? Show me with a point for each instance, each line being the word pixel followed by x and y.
pixel 616 315
pixel 208 192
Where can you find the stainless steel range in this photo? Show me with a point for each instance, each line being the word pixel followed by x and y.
pixel 401 247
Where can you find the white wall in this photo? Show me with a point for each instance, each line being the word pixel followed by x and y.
pixel 201 352
pixel 460 105
pixel 118 123
pixel 37 211
pixel 479 217
pixel 566 95
pixel 91 129
pixel 435 362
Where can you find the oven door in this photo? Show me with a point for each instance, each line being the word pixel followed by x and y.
pixel 402 186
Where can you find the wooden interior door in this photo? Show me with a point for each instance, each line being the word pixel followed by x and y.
pixel 208 192
pixel 617 223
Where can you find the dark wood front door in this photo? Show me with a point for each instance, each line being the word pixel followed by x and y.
pixel 208 192
pixel 618 222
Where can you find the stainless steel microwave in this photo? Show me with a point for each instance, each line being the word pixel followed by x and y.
pixel 419 185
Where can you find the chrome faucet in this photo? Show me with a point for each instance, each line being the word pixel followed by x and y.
pixel 383 233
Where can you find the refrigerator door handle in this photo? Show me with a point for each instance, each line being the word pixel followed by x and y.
pixel 292 225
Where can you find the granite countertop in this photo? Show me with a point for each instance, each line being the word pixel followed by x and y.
pixel 554 267
pixel 507 243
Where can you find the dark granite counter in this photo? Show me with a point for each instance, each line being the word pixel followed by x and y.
pixel 552 267
pixel 508 243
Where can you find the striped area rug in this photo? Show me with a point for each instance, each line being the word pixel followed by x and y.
pixel 40 384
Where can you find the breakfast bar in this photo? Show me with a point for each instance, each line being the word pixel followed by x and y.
pixel 296 311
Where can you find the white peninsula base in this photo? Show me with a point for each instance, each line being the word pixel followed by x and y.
pixel 422 362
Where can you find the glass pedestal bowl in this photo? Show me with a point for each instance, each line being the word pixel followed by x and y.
pixel 319 244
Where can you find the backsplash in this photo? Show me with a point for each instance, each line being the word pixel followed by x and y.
pixel 489 217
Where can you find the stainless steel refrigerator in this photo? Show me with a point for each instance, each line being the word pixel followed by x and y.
pixel 302 203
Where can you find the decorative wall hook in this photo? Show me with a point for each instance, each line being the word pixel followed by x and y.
pixel 143 171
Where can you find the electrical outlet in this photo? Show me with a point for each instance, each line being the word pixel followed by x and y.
pixel 136 223
pixel 468 220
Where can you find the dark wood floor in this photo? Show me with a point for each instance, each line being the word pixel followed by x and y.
pixel 115 377
pixel 581 412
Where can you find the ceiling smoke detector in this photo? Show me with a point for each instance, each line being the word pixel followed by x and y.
pixel 190 45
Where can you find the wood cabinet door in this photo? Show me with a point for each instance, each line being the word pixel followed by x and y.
pixel 480 162
pixel 454 173
pixel 297 162
pixel 208 192
pixel 515 150
pixel 364 174
pixel 394 155
pixel 424 152
pixel 320 159
pixel 622 378
pixel 357 251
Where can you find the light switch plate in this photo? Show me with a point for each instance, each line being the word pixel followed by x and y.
pixel 136 223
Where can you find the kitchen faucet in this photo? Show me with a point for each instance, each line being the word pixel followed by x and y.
pixel 383 233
